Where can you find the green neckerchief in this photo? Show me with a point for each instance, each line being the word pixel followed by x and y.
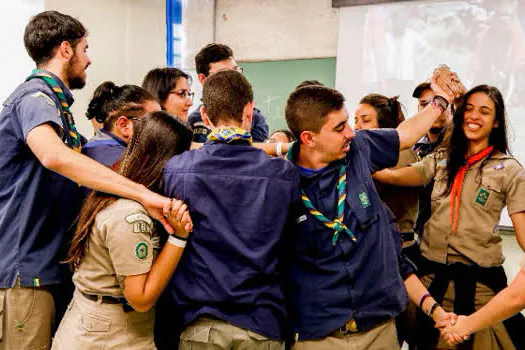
pixel 72 135
pixel 336 224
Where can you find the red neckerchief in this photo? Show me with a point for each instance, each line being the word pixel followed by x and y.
pixel 457 185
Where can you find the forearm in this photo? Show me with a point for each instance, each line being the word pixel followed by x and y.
pixel 416 291
pixel 54 155
pixel 407 176
pixel 158 277
pixel 89 173
pixel 271 148
pixel 506 303
pixel 414 128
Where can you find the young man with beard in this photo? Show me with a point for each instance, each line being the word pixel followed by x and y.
pixel 346 278
pixel 40 173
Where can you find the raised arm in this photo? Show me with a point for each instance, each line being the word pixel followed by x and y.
pixel 446 85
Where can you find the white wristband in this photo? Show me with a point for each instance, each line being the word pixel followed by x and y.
pixel 279 149
pixel 176 241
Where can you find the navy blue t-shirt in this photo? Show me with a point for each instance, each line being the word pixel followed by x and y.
pixel 239 200
pixel 37 205
pixel 259 129
pixel 104 147
pixel 330 284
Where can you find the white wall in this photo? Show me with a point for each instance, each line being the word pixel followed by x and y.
pixel 262 30
pixel 126 39
pixel 14 16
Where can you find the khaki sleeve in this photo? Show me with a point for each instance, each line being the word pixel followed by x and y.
pixel 426 168
pixel 128 240
pixel 515 188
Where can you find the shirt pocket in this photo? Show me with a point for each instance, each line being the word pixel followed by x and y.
pixel 364 203
pixel 488 195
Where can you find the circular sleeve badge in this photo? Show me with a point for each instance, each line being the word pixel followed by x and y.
pixel 141 250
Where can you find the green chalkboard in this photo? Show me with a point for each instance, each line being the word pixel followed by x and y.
pixel 273 81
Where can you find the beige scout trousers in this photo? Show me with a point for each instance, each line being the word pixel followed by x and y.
pixel 206 333
pixel 90 325
pixel 382 337
pixel 26 318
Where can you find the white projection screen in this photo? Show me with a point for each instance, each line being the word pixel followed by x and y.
pixel 390 48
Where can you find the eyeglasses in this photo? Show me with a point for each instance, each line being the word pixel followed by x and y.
pixel 133 118
pixel 184 94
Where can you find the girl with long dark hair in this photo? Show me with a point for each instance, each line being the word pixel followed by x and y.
pixel 461 249
pixel 116 275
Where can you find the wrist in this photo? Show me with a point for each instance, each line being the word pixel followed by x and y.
pixel 440 102
pixel 177 241
pixel 436 313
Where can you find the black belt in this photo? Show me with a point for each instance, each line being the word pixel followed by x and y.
pixel 108 299
pixel 407 236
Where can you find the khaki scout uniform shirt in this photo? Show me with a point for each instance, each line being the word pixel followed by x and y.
pixel 403 201
pixel 120 245
pixel 483 197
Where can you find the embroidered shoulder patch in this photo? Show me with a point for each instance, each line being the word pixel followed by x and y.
pixel 141 222
pixel 48 99
pixel 141 250
pixel 482 196
pixel 363 198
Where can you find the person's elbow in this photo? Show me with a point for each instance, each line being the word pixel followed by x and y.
pixel 406 139
pixel 51 161
pixel 141 305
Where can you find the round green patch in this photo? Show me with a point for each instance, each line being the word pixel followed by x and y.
pixel 141 250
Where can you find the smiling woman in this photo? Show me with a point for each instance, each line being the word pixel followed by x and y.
pixel 474 180
pixel 171 88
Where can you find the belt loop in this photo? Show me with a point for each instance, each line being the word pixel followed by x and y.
pixel 99 299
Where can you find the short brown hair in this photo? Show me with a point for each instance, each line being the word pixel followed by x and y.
pixel 225 94
pixel 47 30
pixel 307 108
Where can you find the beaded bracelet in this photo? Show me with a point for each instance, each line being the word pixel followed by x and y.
pixel 440 102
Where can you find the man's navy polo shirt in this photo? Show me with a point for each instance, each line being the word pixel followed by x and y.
pixel 331 284
pixel 239 200
pixel 259 129
pixel 104 147
pixel 37 205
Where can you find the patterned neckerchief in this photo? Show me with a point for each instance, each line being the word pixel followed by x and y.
pixel 73 137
